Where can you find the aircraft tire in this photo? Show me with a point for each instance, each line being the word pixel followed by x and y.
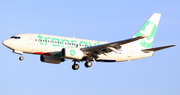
pixel 21 58
pixel 75 67
pixel 88 64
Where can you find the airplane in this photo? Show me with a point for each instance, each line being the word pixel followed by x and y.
pixel 55 49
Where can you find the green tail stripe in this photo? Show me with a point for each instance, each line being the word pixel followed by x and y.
pixel 148 41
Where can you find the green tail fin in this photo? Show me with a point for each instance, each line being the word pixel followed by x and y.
pixel 151 25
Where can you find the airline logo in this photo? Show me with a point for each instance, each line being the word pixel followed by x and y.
pixel 72 52
pixel 57 42
pixel 148 41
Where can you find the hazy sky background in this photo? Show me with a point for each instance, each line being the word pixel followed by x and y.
pixel 102 20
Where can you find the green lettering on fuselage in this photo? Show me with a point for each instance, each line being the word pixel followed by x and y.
pixel 64 42
pixel 67 42
pixel 55 42
pixel 40 40
pixel 46 40
pixel 82 42
pixel 94 43
pixel 73 42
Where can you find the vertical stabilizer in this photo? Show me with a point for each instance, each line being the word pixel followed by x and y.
pixel 149 27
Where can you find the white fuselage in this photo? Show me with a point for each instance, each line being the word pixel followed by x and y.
pixel 52 45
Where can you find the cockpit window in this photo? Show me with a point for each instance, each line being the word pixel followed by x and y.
pixel 15 37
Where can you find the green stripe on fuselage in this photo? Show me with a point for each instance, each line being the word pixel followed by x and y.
pixel 58 54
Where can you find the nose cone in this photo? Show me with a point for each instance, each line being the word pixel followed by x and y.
pixel 6 43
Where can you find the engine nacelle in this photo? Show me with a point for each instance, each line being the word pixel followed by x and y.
pixel 51 59
pixel 72 53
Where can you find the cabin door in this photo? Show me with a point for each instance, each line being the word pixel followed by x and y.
pixel 30 40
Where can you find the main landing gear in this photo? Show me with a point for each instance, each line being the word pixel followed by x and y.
pixel 76 66
pixel 88 64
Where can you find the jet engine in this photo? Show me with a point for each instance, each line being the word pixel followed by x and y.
pixel 72 53
pixel 51 59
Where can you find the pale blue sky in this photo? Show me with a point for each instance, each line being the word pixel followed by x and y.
pixel 103 20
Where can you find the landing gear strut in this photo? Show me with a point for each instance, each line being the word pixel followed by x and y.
pixel 75 66
pixel 19 52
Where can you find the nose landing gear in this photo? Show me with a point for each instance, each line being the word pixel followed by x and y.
pixel 21 58
pixel 19 52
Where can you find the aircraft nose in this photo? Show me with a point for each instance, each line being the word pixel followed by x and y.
pixel 6 42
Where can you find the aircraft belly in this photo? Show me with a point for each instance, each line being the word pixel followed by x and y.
pixel 113 57
pixel 47 50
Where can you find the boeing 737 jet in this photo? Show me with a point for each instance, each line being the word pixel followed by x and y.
pixel 55 49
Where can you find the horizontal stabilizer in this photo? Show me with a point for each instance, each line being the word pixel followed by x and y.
pixel 157 48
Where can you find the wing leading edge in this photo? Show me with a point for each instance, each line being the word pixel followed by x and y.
pixel 105 48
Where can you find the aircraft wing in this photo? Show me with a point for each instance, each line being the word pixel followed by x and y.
pixel 105 48
pixel 114 46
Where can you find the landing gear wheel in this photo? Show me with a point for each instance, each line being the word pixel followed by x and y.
pixel 88 64
pixel 21 58
pixel 75 67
